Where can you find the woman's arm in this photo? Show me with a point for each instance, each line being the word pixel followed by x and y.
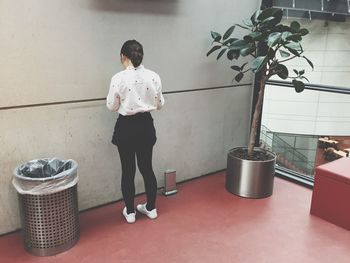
pixel 160 98
pixel 113 98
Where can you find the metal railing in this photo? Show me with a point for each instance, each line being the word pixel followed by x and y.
pixel 287 152
pixel 289 174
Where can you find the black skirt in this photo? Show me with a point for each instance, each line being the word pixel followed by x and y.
pixel 135 130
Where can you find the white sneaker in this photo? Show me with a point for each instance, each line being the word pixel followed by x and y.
pixel 151 214
pixel 130 218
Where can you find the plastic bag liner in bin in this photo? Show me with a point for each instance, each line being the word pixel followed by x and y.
pixel 45 176
pixel 48 202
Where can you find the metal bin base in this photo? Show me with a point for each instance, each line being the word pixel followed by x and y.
pixel 50 223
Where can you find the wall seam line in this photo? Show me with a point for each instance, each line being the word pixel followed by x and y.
pixel 102 99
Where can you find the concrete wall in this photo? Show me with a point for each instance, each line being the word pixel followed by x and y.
pixel 66 50
pixel 313 112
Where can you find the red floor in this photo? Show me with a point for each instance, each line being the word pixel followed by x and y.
pixel 204 223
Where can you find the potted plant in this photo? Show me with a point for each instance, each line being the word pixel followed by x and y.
pixel 250 170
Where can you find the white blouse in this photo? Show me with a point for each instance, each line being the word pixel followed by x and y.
pixel 135 90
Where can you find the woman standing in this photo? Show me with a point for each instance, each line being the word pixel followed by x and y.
pixel 133 93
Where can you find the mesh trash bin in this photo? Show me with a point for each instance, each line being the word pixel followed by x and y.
pixel 47 194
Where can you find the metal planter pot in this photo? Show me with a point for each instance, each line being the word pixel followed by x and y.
pixel 251 179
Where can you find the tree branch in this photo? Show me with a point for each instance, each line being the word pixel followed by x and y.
pixel 256 115
pixel 254 56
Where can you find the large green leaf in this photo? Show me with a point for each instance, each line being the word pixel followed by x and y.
pixel 239 44
pixel 233 54
pixel 273 39
pixel 281 28
pixel 308 61
pixel 221 53
pixel 236 68
pixel 295 26
pixel 256 35
pixel 253 37
pixel 303 77
pixel 294 45
pixel 244 27
pixel 214 48
pixel 294 37
pixel 248 39
pixel 254 17
pixel 304 31
pixel 247 22
pixel 298 85
pixel 267 20
pixel 246 51
pixel 278 16
pixel 269 23
pixel 268 12
pixel 216 36
pixel 239 76
pixel 285 34
pixel 284 54
pixel 259 63
pixel 294 48
pixel 294 52
pixel 242 67
pixel 282 71
pixel 228 33
pixel 229 41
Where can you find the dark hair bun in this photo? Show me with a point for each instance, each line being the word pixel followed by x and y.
pixel 133 50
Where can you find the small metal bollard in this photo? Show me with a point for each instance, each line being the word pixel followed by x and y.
pixel 169 182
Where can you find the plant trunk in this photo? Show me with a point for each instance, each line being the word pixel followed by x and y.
pixel 256 116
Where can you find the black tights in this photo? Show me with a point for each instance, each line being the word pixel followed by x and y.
pixel 144 162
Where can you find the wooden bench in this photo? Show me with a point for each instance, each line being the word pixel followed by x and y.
pixel 331 194
pixel 341 153
pixel 347 150
pixel 325 143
